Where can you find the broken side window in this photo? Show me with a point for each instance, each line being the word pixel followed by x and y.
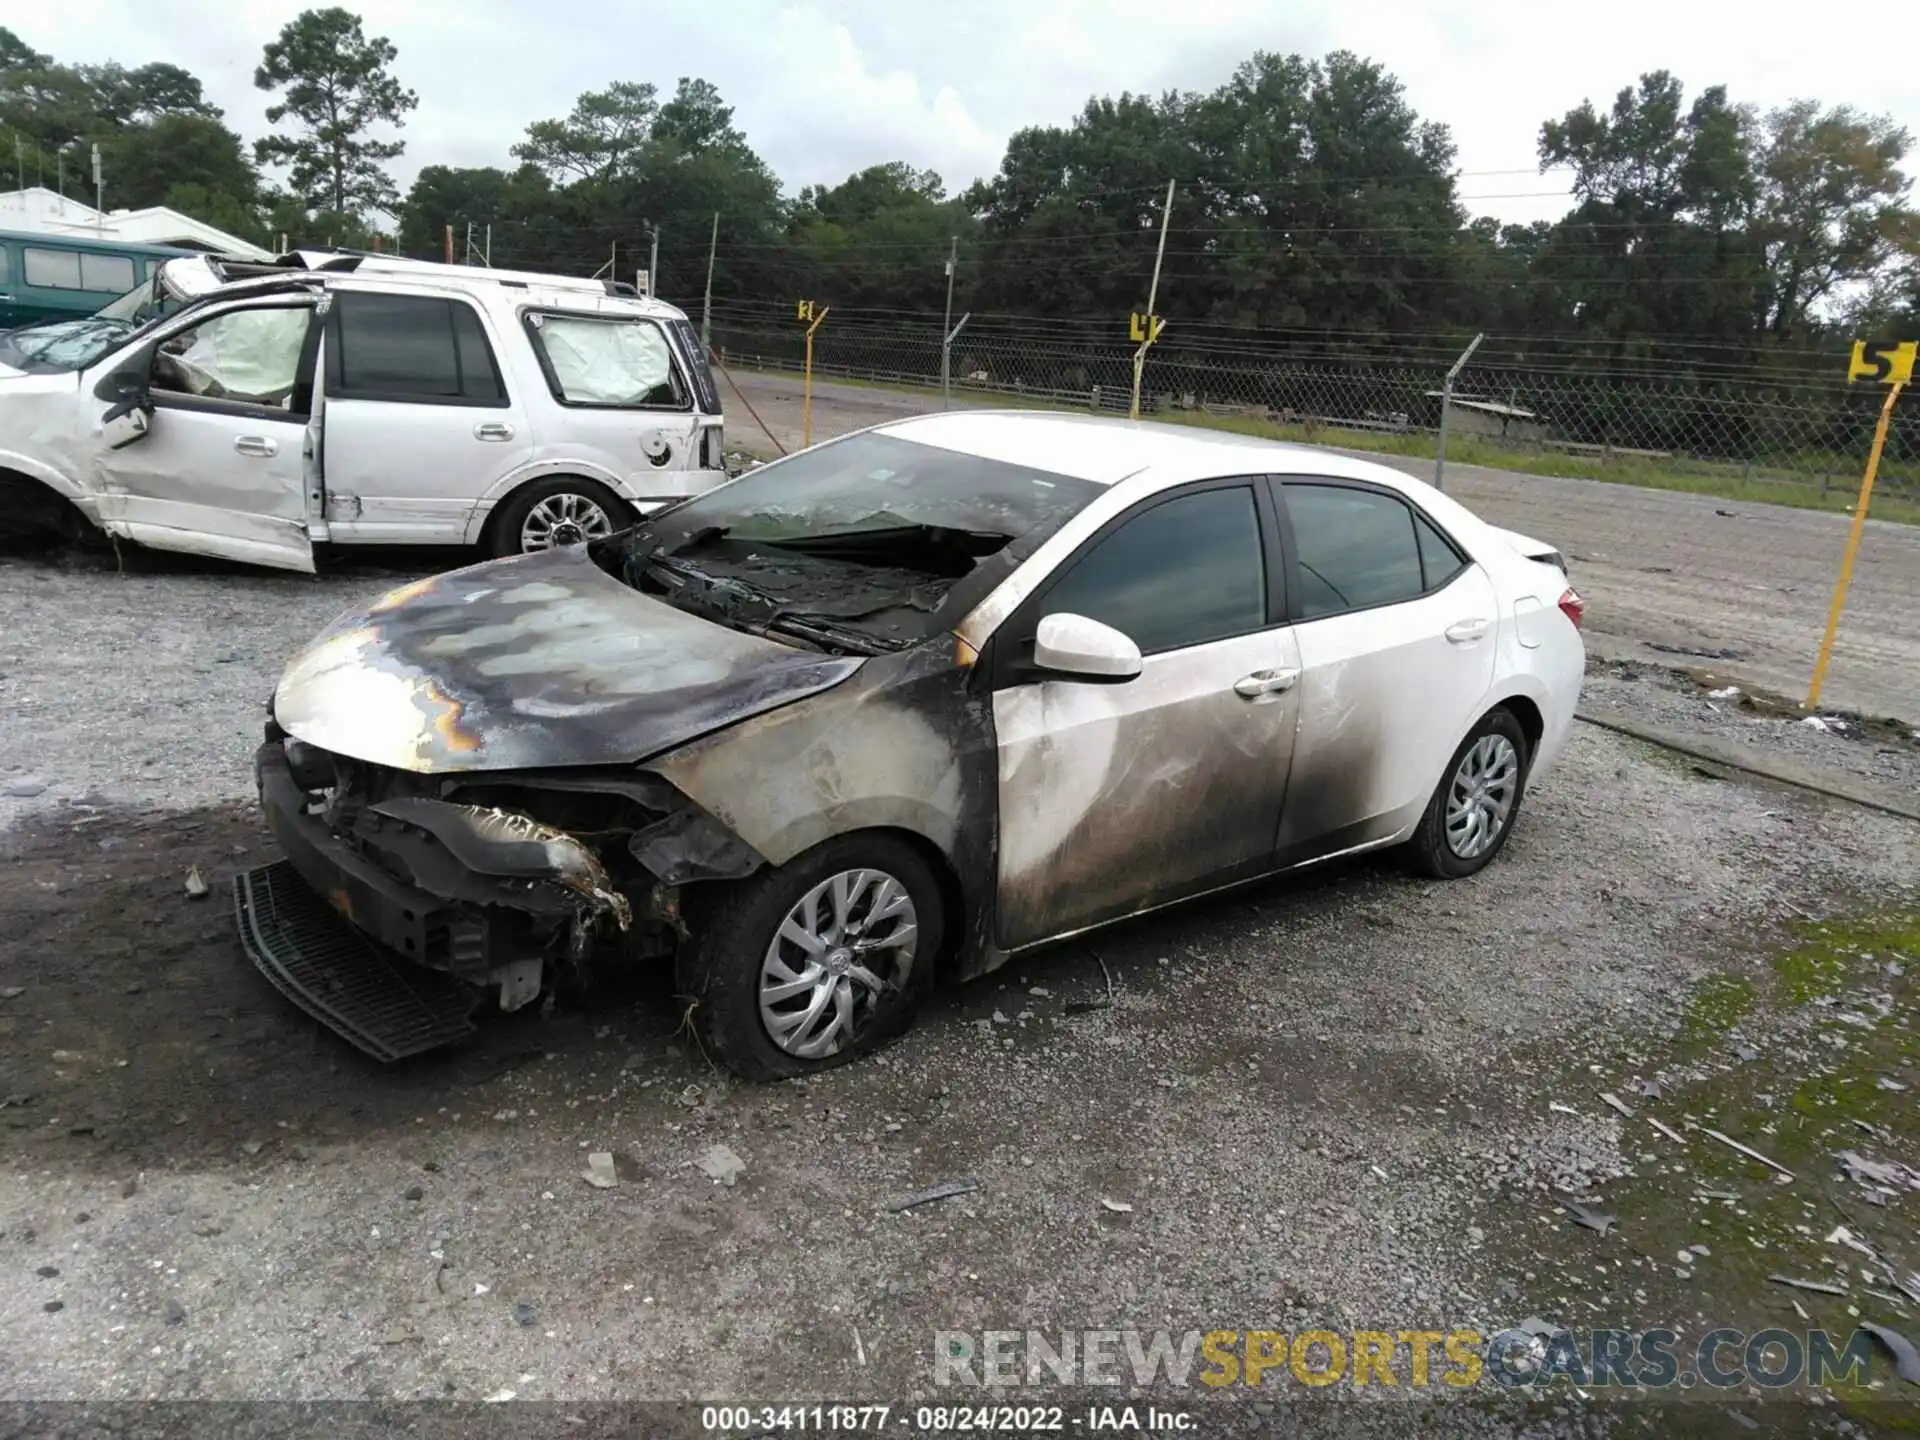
pixel 251 356
pixel 610 363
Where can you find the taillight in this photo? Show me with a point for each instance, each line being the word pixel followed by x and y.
pixel 1572 606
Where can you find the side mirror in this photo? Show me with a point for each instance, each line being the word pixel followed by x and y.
pixel 129 417
pixel 1083 649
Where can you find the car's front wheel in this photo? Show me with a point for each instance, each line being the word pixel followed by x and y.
pixel 1473 809
pixel 810 964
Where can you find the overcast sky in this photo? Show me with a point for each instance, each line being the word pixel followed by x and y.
pixel 826 87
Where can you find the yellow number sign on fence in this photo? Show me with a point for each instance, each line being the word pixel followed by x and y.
pixel 1890 364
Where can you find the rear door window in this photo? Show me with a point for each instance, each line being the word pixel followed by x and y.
pixel 410 349
pixel 1438 558
pixel 1355 549
pixel 607 363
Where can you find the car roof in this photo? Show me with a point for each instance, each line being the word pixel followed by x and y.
pixel 1145 453
pixel 556 292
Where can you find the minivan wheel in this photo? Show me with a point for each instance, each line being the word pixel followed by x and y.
pixel 560 510
pixel 1473 809
pixel 809 965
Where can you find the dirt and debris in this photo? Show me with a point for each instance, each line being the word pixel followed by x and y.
pixel 1748 1150
pixel 1906 1359
pixel 1818 1286
pixel 944 1191
pixel 1626 895
pixel 1584 1215
pixel 721 1164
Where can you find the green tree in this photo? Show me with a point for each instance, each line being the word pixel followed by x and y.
pixel 880 237
pixel 144 163
pixel 336 86
pixel 1832 209
pixel 16 54
pixel 1660 245
pixel 444 195
pixel 603 136
pixel 1308 193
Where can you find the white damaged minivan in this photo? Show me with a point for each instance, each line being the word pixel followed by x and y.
pixel 252 412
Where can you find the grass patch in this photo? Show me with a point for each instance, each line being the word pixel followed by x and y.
pixel 1790 1059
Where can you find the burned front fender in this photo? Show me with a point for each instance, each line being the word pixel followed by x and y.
pixel 906 745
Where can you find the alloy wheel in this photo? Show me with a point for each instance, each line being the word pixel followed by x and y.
pixel 563 519
pixel 1480 797
pixel 842 947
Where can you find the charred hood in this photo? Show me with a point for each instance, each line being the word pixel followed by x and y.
pixel 539 660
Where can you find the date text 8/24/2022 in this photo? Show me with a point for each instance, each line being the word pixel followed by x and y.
pixel 957 1419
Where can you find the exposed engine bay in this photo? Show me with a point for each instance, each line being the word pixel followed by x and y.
pixel 501 880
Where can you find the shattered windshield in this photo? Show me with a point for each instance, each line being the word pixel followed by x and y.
pixel 864 544
pixel 58 346
pixel 55 347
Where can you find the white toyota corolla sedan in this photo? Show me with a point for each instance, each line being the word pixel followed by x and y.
pixel 906 703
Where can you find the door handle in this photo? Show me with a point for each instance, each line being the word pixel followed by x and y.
pixel 1265 682
pixel 1465 632
pixel 257 445
pixel 493 430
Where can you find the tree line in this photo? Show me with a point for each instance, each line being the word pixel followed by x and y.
pixel 1309 200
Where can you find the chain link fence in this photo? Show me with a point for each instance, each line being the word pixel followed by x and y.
pixel 1709 424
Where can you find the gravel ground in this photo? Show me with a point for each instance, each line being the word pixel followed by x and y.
pixel 1698 703
pixel 1318 1096
pixel 1657 567
pixel 150 685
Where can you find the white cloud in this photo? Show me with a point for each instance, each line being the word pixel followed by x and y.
pixel 826 87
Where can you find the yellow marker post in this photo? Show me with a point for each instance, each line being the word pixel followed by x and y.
pixel 1143 330
pixel 804 310
pixel 1892 365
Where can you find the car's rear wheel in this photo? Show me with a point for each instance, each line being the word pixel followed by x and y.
pixel 560 510
pixel 811 964
pixel 1473 809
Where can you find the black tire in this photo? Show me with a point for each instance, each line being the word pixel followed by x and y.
pixel 504 534
pixel 1430 851
pixel 719 972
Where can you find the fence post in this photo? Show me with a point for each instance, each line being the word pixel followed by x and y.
pixel 1446 408
pixel 946 361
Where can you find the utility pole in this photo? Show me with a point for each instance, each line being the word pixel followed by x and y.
pixel 946 325
pixel 653 265
pixel 1153 291
pixel 1166 214
pixel 706 301
pixel 99 192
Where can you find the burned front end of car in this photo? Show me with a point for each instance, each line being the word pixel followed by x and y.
pixel 497 886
